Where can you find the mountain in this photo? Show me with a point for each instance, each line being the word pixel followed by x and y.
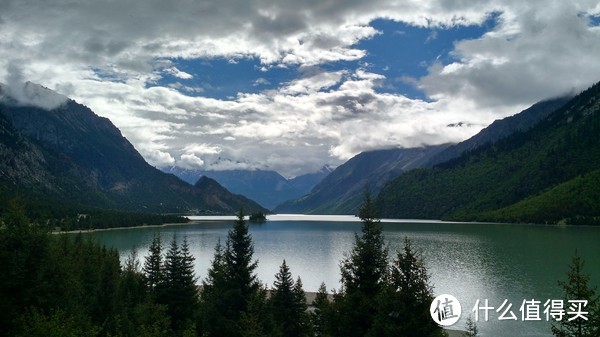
pixel 527 176
pixel 341 192
pixel 306 182
pixel 70 156
pixel 268 188
pixel 502 128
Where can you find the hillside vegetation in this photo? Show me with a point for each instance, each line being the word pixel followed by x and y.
pixel 70 160
pixel 341 192
pixel 522 177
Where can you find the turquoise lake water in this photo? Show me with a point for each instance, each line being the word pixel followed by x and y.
pixel 470 261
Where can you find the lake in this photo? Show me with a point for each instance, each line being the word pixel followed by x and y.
pixel 470 261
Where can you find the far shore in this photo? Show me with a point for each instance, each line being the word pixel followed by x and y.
pixel 92 230
pixel 196 219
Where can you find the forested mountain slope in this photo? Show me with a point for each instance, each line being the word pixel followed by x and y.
pixel 342 191
pixel 524 165
pixel 69 156
pixel 502 128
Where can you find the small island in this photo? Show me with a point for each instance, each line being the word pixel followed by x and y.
pixel 257 217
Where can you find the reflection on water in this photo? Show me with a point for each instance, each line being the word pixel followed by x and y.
pixel 469 261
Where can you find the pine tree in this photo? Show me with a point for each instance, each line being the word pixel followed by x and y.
pixel 232 295
pixel 132 292
pixel 364 276
pixel 300 306
pixel 238 259
pixel 216 273
pixel 213 288
pixel 153 265
pixel 107 303
pixel 288 304
pixel 365 270
pixel 188 289
pixel 321 314
pixel 409 297
pixel 178 291
pixel 23 251
pixel 577 287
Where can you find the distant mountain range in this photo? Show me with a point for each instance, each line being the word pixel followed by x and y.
pixel 541 165
pixel 268 188
pixel 342 191
pixel 546 173
pixel 64 155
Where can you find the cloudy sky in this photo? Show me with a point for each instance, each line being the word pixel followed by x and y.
pixel 292 85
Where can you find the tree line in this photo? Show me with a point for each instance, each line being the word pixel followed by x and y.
pixel 60 285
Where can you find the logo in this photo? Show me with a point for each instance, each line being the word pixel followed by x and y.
pixel 445 310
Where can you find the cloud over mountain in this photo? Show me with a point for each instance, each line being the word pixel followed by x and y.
pixel 124 59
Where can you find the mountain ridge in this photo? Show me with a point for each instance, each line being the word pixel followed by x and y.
pixel 526 164
pixel 341 192
pixel 501 128
pixel 268 188
pixel 73 156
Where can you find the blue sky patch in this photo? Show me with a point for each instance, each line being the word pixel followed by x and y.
pixel 224 78
pixel 402 53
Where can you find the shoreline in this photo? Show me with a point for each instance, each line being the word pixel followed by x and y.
pixel 195 219
pixel 191 222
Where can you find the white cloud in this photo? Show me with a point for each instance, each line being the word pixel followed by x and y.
pixel 535 53
pixel 202 149
pixel 178 73
pixel 158 156
pixel 190 161
pixel 261 81
pixel 110 55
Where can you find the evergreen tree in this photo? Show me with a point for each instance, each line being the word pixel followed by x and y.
pixel 107 303
pixel 23 254
pixel 132 292
pixel 153 265
pixel 321 314
pixel 55 324
pixel 364 275
pixel 132 281
pixel 304 322
pixel 232 295
pixel 288 304
pixel 212 305
pixel 257 319
pixel 178 291
pixel 365 270
pixel 239 264
pixel 405 303
pixel 577 287
pixel 216 273
pixel 59 285
pixel 151 320
pixel 189 294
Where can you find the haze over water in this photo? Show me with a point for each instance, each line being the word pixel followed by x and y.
pixel 467 260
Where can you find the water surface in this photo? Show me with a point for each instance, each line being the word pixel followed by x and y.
pixel 470 261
